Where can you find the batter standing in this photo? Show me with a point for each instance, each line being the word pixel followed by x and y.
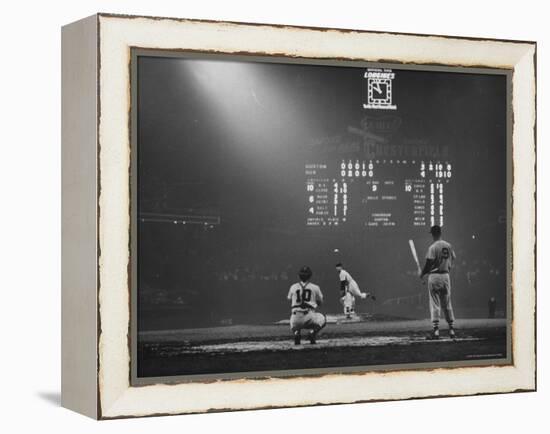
pixel 439 261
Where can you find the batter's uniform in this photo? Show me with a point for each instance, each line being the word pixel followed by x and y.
pixel 439 281
pixel 351 284
pixel 304 298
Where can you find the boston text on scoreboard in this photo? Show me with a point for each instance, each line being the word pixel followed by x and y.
pixel 365 192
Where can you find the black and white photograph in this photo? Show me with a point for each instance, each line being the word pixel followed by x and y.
pixel 242 216
pixel 295 217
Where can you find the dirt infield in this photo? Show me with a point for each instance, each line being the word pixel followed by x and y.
pixel 249 348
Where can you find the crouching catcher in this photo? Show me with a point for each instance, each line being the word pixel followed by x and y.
pixel 305 297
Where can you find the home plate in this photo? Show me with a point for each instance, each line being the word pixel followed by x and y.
pixel 288 345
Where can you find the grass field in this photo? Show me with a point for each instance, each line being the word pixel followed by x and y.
pixel 249 348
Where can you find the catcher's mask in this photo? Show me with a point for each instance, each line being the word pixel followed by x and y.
pixel 305 274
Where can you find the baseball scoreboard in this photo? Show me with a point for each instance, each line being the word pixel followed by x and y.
pixel 376 192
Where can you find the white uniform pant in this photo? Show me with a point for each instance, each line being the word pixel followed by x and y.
pixel 354 289
pixel 439 288
pixel 348 301
pixel 307 319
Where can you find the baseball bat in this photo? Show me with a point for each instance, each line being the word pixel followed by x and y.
pixel 415 256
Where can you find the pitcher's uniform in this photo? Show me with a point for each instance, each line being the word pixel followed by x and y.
pixel 439 281
pixel 351 284
pixel 304 298
pixel 348 301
